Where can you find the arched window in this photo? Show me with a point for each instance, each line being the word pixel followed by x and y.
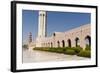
pixel 69 43
pixel 77 41
pixel 63 43
pixel 88 40
pixel 58 43
pixel 40 14
pixel 54 34
pixel 43 14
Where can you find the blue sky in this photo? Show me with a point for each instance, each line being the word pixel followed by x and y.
pixel 56 22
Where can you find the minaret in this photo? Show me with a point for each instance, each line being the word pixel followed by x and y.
pixel 30 37
pixel 42 26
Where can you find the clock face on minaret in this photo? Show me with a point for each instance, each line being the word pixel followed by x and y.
pixel 42 32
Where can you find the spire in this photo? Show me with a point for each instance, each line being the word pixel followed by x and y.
pixel 30 37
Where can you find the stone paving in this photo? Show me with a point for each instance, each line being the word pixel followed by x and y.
pixel 42 56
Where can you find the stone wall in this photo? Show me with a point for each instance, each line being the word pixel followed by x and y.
pixel 63 39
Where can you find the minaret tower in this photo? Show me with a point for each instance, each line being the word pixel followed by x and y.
pixel 30 37
pixel 42 32
pixel 42 28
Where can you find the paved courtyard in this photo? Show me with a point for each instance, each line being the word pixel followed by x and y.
pixel 42 56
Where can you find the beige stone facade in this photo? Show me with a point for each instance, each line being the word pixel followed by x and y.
pixel 71 38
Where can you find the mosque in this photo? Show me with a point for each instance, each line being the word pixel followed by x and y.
pixel 71 38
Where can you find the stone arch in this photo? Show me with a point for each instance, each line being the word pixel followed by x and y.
pixel 63 43
pixel 51 44
pixel 58 43
pixel 69 42
pixel 77 41
pixel 48 44
pixel 44 44
pixel 88 40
